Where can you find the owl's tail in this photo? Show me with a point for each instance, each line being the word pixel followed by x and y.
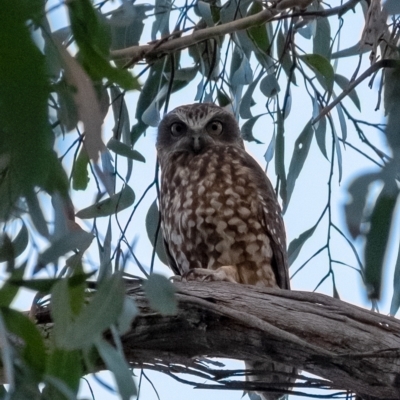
pixel 275 374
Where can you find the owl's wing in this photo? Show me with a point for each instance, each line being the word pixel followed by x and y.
pixel 273 222
pixel 171 262
pixel 279 260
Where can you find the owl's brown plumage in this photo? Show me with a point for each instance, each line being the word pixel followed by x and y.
pixel 219 211
pixel 218 207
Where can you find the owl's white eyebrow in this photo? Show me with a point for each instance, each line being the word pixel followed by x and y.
pixel 196 121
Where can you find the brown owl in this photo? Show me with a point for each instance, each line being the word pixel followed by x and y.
pixel 220 216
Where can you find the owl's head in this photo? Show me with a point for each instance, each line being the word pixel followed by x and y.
pixel 195 128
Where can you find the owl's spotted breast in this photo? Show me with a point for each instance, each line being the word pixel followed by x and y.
pixel 213 214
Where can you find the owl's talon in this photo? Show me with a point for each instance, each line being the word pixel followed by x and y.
pixel 176 278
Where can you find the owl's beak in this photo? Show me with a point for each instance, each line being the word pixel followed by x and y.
pixel 197 142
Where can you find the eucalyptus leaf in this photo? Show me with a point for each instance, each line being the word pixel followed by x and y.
pixel 116 363
pixel 80 174
pixel 36 214
pixel 45 285
pixel 74 240
pixel 243 75
pixel 105 269
pixel 300 152
pixel 296 244
pixel 322 67
pixel 378 238
pixel 162 13
pixel 93 38
pixel 322 37
pixel 247 129
pixel 8 291
pixel 66 367
pixel 10 250
pixel 114 204
pixel 280 157
pixel 126 317
pixel 270 149
pixel 269 86
pixel 344 83
pixel 338 152
pixel 247 100
pixel 205 12
pixel 102 311
pixel 342 121
pixel 161 294
pixel 320 136
pixel 354 209
pixel 124 150
pixel 152 225
pixel 395 303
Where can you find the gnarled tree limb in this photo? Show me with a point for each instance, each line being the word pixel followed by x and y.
pixel 351 348
pixel 162 47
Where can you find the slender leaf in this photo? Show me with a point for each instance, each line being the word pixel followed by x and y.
pixel 103 311
pixel 161 294
pixel 45 286
pixel 269 86
pixel 205 12
pixel 152 225
pixel 94 40
pixel 247 100
pixel 343 82
pixel 114 204
pixel 322 37
pixel 280 157
pixel 395 304
pixel 270 149
pixel 354 209
pixel 66 366
pixel 33 349
pixel 320 136
pixel 300 152
pixel 126 317
pixel 119 367
pixel 338 152
pixel 247 129
pixel 77 239
pixel 8 291
pixel 296 244
pixel 16 247
pixel 124 150
pixel 80 174
pixel 378 238
pixel 322 67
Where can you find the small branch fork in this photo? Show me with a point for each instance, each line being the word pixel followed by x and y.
pixel 172 44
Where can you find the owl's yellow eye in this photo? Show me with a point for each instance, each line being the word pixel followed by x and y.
pixel 214 128
pixel 178 129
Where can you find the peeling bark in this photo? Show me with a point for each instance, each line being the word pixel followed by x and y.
pixel 349 347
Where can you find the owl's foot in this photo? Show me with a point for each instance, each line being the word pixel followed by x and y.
pixel 227 273
pixel 176 278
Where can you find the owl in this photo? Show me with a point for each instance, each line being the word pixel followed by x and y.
pixel 219 213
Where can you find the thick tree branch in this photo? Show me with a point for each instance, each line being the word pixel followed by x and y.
pixel 351 348
pixel 162 47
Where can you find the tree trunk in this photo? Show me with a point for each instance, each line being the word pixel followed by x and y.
pixel 351 348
